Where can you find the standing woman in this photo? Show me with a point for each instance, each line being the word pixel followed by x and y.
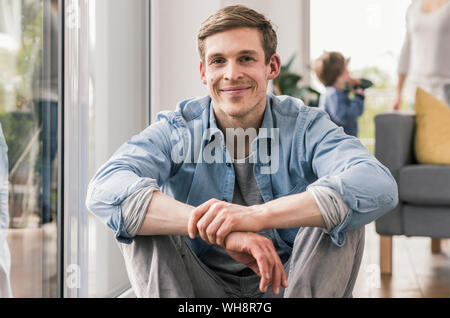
pixel 425 55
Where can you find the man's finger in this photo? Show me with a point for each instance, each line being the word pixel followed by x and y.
pixel 196 215
pixel 284 280
pixel 276 279
pixel 264 283
pixel 207 218
pixel 274 261
pixel 278 273
pixel 265 269
pixel 280 270
pixel 211 230
pixel 222 232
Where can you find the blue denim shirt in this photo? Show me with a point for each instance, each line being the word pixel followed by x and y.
pixel 311 150
pixel 342 110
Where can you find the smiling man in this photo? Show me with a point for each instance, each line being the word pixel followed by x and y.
pixel 240 225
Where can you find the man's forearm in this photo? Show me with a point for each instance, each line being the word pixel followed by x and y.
pixel 165 216
pixel 298 210
pixel 214 220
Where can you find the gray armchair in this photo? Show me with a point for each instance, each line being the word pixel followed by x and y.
pixel 424 190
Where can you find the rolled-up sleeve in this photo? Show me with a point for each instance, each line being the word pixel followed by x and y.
pixel 343 164
pixel 331 206
pixel 144 161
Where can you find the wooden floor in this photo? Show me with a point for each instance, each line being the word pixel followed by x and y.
pixel 416 271
pixel 33 261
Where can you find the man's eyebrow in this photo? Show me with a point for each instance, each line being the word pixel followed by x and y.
pixel 248 52
pixel 214 55
pixel 243 52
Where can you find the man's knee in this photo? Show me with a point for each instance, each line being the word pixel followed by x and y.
pixel 320 268
pixel 315 240
pixel 149 246
pixel 156 266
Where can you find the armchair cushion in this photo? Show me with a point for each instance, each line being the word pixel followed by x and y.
pixel 394 136
pixel 425 184
pixel 431 221
pixel 432 140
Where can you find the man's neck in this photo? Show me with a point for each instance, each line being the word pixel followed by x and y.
pixel 253 120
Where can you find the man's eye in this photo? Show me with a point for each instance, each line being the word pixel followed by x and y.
pixel 246 59
pixel 217 61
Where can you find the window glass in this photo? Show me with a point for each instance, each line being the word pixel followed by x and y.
pixel 29 147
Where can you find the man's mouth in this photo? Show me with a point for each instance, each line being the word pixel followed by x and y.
pixel 235 90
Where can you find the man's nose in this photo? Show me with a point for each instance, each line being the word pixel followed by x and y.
pixel 233 71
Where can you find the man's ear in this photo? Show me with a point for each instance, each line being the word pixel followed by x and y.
pixel 275 66
pixel 202 73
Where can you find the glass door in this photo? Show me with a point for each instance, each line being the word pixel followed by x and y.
pixel 30 158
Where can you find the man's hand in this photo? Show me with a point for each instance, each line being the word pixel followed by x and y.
pixel 215 219
pixel 258 253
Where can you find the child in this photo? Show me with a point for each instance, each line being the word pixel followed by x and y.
pixel 331 69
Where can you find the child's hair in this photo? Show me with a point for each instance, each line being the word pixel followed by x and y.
pixel 329 66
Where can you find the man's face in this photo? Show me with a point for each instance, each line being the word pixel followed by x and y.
pixel 235 72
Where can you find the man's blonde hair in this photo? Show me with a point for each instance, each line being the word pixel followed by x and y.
pixel 238 16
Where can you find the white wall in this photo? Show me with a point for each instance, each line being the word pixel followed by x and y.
pixel 174 59
pixel 118 110
pixel 289 18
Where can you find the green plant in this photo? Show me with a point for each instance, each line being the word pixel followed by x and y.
pixel 17 114
pixel 287 84
pixel 17 128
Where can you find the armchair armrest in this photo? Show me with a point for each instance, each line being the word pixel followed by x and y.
pixel 394 138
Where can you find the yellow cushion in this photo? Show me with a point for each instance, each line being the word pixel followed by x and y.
pixel 432 140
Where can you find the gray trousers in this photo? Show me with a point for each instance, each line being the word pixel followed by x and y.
pixel 166 266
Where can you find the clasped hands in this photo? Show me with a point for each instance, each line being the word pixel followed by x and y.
pixel 234 228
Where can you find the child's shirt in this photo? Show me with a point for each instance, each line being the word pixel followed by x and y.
pixel 343 111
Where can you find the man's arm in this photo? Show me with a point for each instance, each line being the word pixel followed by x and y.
pixel 165 216
pixel 215 219
pixel 250 249
pixel 142 162
pixel 297 210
